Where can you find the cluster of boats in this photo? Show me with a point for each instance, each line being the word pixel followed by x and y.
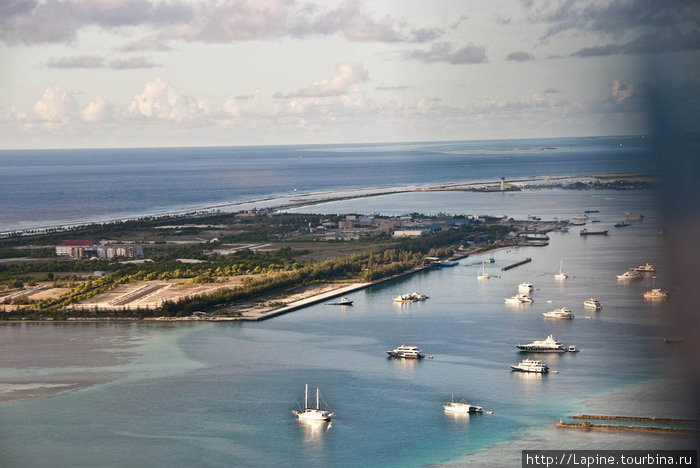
pixel 411 297
pixel 639 273
pixel 523 296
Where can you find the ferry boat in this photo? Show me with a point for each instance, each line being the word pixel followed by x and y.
pixel 519 299
pixel 313 413
pixel 342 301
pixel 647 268
pixel 529 365
pixel 655 293
pixel 560 275
pixel 406 352
pixel 629 275
pixel 586 232
pixel 593 303
pixel 483 274
pixel 563 313
pixel 412 297
pixel 548 345
pixel 525 287
pixel 461 407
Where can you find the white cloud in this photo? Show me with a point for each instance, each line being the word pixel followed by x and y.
pixel 55 105
pixel 161 101
pixel 96 111
pixel 620 92
pixel 344 81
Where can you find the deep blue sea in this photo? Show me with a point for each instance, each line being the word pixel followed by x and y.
pixel 57 187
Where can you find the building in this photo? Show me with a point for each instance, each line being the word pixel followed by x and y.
pixel 91 249
pixel 410 233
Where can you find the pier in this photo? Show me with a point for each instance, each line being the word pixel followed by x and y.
pixel 517 264
pixel 633 418
pixel 611 427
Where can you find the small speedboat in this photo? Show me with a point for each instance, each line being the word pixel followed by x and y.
pixel 343 301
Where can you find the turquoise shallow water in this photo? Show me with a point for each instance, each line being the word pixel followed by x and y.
pixel 220 394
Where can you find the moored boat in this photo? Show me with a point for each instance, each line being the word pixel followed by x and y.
pixel 629 275
pixel 342 301
pixel 519 299
pixel 313 413
pixel 461 407
pixel 593 303
pixel 547 345
pixel 483 274
pixel 406 352
pixel 525 287
pixel 530 365
pixel 586 232
pixel 562 313
pixel 561 275
pixel 411 297
pixel 655 293
pixel 646 268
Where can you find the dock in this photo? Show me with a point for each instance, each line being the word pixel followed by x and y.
pixel 633 418
pixel 517 264
pixel 612 427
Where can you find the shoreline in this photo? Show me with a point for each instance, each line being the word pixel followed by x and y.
pixel 295 201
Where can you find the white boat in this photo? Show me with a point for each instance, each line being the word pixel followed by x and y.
pixel 406 352
pixel 548 345
pixel 525 288
pixel 529 365
pixel 561 275
pixel 411 297
pixel 633 216
pixel 648 268
pixel 519 299
pixel 655 293
pixel 593 303
pixel 580 217
pixel 629 275
pixel 453 406
pixel 483 274
pixel 572 349
pixel 563 313
pixel 313 413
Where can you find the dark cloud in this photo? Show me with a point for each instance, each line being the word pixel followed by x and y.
pixel 93 61
pixel 445 52
pixel 148 43
pixel 80 61
pixel 131 63
pixel 51 21
pixel 670 40
pixel 520 56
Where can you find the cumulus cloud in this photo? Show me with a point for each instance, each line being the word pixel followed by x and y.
pixel 446 52
pixel 161 101
pixel 50 21
pixel 97 110
pixel 347 76
pixel 54 106
pixel 620 92
pixel 520 56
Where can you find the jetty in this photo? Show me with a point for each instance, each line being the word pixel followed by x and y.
pixel 517 264
pixel 612 427
pixel 633 418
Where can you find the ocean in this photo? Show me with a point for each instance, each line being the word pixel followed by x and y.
pixel 40 188
pixel 221 394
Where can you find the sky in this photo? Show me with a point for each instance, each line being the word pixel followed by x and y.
pixel 111 73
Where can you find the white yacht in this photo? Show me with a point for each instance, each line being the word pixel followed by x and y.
pixel 406 352
pixel 529 365
pixel 519 299
pixel 563 313
pixel 592 302
pixel 314 413
pixel 453 406
pixel 525 287
pixel 412 297
pixel 648 268
pixel 629 275
pixel 342 301
pixel 548 345
pixel 561 275
pixel 655 293
pixel 483 274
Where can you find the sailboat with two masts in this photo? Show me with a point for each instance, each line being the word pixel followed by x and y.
pixel 313 413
